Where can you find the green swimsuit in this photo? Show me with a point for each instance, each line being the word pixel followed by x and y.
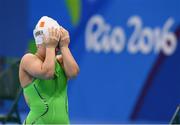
pixel 47 99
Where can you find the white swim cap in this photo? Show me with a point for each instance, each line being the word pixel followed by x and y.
pixel 41 28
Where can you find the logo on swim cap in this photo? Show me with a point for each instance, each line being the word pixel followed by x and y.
pixel 41 24
pixel 41 28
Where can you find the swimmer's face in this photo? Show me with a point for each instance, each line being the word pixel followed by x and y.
pixel 42 48
pixel 57 49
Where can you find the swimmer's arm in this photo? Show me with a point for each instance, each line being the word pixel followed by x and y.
pixel 38 69
pixel 70 66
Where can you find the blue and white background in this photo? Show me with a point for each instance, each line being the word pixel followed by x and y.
pixel 128 52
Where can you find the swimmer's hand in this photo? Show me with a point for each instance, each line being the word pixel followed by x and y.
pixel 65 39
pixel 52 40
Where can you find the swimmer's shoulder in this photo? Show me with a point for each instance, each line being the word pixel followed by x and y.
pixel 24 77
pixel 28 58
pixel 28 55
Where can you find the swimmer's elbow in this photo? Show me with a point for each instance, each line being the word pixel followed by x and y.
pixel 49 74
pixel 73 73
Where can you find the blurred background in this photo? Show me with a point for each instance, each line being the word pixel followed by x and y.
pixel 128 52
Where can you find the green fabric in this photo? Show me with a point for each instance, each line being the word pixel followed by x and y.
pixel 32 46
pixel 47 99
